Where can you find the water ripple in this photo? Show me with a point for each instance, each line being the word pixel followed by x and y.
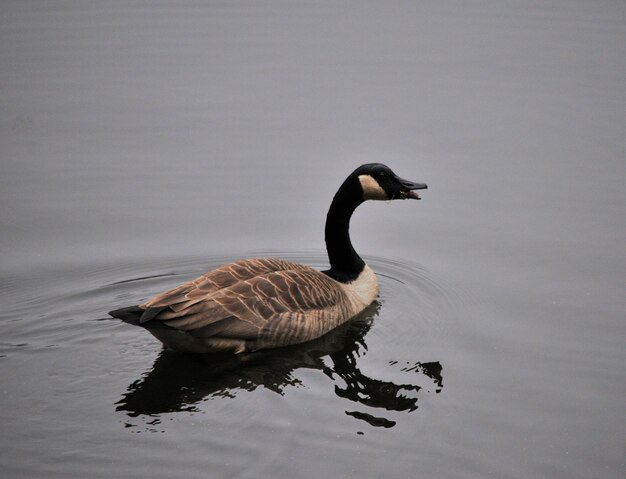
pixel 370 362
pixel 407 291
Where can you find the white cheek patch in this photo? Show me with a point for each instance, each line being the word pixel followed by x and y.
pixel 371 189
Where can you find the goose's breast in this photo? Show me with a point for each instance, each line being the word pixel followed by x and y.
pixel 363 290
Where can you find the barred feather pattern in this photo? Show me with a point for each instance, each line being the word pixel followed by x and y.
pixel 258 303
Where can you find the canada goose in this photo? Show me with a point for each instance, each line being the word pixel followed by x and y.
pixel 263 303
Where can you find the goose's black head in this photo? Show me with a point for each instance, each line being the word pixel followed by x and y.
pixel 378 182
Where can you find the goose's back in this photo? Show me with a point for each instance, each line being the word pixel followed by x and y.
pixel 220 278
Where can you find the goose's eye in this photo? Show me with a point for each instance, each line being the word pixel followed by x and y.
pixel 382 174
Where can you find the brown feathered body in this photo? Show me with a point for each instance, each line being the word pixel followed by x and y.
pixel 265 303
pixel 255 304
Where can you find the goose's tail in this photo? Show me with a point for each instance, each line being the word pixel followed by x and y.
pixel 130 314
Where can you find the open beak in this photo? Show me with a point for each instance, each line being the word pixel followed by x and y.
pixel 407 189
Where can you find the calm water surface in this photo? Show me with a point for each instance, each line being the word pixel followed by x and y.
pixel 143 145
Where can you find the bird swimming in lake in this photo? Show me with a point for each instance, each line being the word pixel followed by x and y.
pixel 263 303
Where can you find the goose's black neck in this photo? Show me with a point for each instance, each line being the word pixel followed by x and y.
pixel 345 263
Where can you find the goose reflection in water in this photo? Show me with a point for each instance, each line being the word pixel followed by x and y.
pixel 177 382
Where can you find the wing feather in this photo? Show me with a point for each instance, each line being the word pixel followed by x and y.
pixel 265 301
pixel 220 278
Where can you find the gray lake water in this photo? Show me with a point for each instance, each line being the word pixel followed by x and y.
pixel 144 143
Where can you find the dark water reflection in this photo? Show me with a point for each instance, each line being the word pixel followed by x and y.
pixel 178 382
